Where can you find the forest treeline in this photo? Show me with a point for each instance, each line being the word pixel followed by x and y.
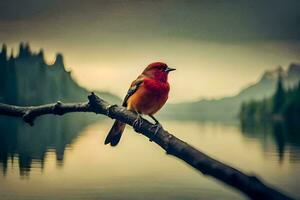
pixel 26 79
pixel 283 106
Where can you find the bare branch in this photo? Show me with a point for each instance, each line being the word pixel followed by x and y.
pixel 248 184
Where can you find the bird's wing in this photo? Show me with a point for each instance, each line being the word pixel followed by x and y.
pixel 133 88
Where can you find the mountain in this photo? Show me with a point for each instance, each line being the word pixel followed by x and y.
pixel 282 108
pixel 227 108
pixel 28 80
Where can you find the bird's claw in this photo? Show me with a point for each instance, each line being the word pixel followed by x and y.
pixel 137 122
pixel 156 127
pixel 108 108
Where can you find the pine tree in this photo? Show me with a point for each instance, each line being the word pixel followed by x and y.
pixel 278 98
pixel 3 53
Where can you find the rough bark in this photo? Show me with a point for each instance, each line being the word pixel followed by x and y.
pixel 248 184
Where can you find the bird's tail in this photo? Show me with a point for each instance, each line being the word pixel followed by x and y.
pixel 115 133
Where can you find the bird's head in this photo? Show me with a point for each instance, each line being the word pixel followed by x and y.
pixel 158 71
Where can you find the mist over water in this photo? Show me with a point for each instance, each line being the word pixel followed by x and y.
pixel 71 162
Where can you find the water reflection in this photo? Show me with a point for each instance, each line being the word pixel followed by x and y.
pixel 28 145
pixel 76 164
pixel 285 137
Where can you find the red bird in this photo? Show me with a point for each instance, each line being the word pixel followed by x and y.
pixel 146 95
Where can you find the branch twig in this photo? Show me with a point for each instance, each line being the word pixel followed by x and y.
pixel 249 185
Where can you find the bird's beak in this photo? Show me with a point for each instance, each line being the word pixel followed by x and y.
pixel 169 69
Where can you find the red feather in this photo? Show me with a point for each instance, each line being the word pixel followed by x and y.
pixel 146 95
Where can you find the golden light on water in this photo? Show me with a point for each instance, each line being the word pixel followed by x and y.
pixel 139 164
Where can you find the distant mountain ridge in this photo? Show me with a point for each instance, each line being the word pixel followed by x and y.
pixel 28 80
pixel 227 108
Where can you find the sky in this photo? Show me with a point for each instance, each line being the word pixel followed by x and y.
pixel 218 47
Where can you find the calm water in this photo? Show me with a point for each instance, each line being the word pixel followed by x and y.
pixel 56 160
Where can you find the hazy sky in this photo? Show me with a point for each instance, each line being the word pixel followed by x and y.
pixel 217 46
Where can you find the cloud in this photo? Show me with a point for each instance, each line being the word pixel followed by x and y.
pixel 223 21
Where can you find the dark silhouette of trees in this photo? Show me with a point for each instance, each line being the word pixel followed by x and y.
pixel 283 107
pixel 278 98
pixel 27 79
pixel 291 109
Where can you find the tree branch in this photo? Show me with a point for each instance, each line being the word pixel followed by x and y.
pixel 248 184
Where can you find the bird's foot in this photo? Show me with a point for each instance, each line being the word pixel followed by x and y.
pixel 156 127
pixel 108 109
pixel 138 122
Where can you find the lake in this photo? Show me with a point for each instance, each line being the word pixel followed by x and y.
pixel 57 160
